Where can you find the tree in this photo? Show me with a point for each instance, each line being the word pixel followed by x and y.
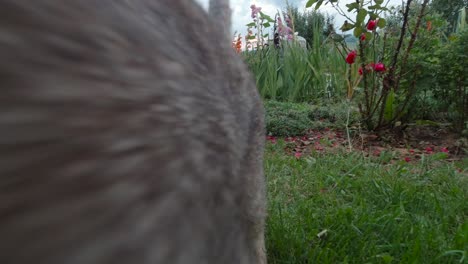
pixel 449 10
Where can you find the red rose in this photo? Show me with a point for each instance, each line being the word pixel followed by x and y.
pixel 360 70
pixel 371 25
pixel 379 67
pixel 351 57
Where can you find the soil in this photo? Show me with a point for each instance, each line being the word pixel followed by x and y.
pixel 408 144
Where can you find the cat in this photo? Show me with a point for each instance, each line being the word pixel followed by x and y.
pixel 130 132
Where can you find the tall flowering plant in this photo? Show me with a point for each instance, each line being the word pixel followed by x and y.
pixel 285 29
pixel 260 22
pixel 237 43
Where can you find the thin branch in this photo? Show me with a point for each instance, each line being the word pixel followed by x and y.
pixel 411 42
pixel 402 36
pixel 341 12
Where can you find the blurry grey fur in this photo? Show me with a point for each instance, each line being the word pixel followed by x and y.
pixel 220 12
pixel 129 133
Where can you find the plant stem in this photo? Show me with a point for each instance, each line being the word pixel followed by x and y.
pixel 347 124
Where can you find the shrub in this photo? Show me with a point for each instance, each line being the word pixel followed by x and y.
pixel 287 119
pixel 452 78
pixel 292 119
pixel 335 114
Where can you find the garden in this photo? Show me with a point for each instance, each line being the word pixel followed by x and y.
pixel 367 148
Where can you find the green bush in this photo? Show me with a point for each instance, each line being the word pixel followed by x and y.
pixel 452 78
pixel 292 119
pixel 335 115
pixel 287 119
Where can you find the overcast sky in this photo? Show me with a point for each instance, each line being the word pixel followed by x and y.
pixel 241 10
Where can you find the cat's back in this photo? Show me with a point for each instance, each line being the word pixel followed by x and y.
pixel 126 134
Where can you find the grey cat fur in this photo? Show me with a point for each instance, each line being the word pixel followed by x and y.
pixel 220 12
pixel 127 135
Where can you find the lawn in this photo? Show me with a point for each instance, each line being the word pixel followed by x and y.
pixel 367 147
pixel 348 208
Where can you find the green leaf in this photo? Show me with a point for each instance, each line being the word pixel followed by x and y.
pixel 374 7
pixel 347 26
pixel 319 3
pixel 266 24
pixel 266 35
pixel 381 23
pixel 267 17
pixel 352 6
pixel 337 38
pixel 310 3
pixel 379 2
pixel 357 32
pixel 360 17
pixel 439 156
pixel 251 24
pixel 368 36
pixel 251 37
pixel 373 16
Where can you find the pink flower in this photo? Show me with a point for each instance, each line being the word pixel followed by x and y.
pixel 444 149
pixel 407 159
pixel 280 21
pixel 318 147
pixel 255 10
pixel 284 30
pixel 363 37
pixel 371 25
pixel 379 67
pixel 360 71
pixel 297 154
pixel 411 151
pixel 351 57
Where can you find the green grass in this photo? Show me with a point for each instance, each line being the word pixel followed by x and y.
pixel 366 212
pixel 297 75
